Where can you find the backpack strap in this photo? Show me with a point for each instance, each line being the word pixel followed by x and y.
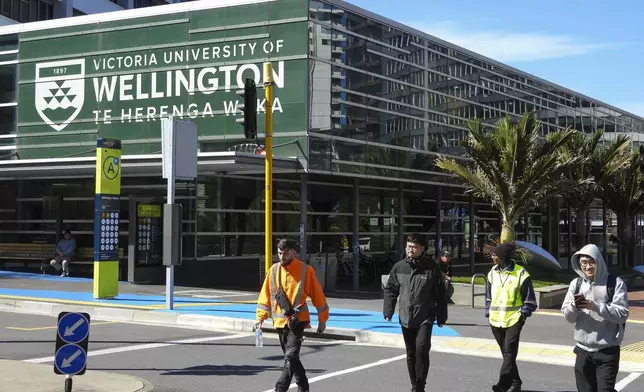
pixel 610 287
pixel 578 283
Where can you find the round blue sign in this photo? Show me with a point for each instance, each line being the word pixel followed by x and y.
pixel 116 161
pixel 73 328
pixel 70 359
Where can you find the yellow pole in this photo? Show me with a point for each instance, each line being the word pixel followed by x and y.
pixel 268 172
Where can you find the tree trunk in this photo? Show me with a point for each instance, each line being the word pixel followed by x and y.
pixel 507 233
pixel 625 248
pixel 580 224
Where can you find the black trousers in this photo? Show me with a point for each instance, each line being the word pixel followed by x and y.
pixel 597 371
pixel 508 340
pixel 291 342
pixel 418 342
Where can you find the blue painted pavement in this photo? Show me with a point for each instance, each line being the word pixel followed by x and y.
pixel 339 318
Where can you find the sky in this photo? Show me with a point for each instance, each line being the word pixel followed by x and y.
pixel 588 46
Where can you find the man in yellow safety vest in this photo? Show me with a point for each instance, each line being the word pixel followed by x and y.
pixel 510 299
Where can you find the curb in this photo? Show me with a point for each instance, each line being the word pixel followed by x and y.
pixel 477 347
pixel 194 321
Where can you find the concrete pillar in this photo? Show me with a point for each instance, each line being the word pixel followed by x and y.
pixel 471 234
pixel 356 234
pixel 439 196
pixel 400 219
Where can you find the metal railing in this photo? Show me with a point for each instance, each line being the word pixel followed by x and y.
pixel 483 294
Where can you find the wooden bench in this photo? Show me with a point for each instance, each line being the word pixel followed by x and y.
pixel 26 254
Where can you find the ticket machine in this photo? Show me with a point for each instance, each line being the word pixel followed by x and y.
pixel 145 245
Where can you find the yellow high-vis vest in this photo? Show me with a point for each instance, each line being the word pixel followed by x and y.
pixel 505 291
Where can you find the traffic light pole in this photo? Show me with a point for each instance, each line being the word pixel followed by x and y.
pixel 268 173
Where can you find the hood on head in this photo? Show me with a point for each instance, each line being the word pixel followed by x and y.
pixel 601 271
pixel 504 252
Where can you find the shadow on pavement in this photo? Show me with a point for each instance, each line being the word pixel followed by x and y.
pixel 207 370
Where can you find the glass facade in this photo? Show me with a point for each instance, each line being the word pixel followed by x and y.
pixel 372 103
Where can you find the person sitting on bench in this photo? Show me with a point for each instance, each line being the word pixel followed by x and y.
pixel 64 252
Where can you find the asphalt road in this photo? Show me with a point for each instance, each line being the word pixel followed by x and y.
pixel 182 360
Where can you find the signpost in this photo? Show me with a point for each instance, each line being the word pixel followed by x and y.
pixel 72 336
pixel 179 154
pixel 107 208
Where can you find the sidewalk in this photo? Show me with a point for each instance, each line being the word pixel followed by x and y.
pixel 22 376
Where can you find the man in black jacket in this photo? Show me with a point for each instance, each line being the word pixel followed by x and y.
pixel 419 282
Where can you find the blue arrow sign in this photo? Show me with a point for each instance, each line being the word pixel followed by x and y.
pixel 73 328
pixel 70 359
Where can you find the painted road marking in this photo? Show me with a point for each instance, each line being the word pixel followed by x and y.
pixel 626 380
pixel 549 313
pixel 350 370
pixel 147 346
pixel 54 327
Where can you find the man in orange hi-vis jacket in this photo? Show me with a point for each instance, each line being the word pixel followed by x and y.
pixel 283 297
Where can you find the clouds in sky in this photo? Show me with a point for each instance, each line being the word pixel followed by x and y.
pixel 508 46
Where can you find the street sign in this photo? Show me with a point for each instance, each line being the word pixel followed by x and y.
pixel 72 336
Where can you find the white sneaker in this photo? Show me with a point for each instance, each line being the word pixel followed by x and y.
pixel 62 275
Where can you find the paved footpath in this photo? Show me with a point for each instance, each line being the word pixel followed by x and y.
pixel 547 338
pixel 21 376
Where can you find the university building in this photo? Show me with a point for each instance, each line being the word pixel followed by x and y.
pixel 362 106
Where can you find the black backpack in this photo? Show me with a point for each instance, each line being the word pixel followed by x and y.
pixel 610 289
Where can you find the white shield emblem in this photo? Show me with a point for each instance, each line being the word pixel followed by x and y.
pixel 60 91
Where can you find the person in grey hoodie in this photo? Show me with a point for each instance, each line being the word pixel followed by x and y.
pixel 597 303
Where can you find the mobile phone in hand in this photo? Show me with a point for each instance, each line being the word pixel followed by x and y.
pixel 579 299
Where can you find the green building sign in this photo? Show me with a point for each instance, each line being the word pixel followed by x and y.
pixel 117 79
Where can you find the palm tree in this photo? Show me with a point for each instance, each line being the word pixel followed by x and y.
pixel 515 167
pixel 623 193
pixel 604 162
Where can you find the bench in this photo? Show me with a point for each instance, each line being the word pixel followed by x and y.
pixel 26 254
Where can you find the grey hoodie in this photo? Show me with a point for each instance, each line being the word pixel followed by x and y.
pixel 596 330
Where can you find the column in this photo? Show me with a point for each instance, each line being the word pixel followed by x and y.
pixel 356 234
pixel 437 244
pixel 569 242
pixel 401 225
pixel 472 230
pixel 605 234
pixel 304 197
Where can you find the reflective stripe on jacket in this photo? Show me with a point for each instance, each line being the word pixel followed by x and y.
pixel 511 295
pixel 298 282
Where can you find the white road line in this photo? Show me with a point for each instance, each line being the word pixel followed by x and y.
pixel 350 370
pixel 145 347
pixel 626 380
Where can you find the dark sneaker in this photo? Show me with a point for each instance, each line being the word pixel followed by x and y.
pixel 514 388
pixel 497 388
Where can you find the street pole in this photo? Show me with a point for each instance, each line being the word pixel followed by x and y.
pixel 169 272
pixel 268 174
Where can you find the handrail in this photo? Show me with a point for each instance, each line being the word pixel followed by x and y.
pixel 480 294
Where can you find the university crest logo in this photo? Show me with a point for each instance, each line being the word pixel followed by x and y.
pixel 60 91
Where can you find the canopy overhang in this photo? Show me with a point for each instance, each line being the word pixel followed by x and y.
pixel 139 165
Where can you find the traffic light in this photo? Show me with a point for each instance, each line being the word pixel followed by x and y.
pixel 249 107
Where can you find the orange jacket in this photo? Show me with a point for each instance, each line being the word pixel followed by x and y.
pixel 298 282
